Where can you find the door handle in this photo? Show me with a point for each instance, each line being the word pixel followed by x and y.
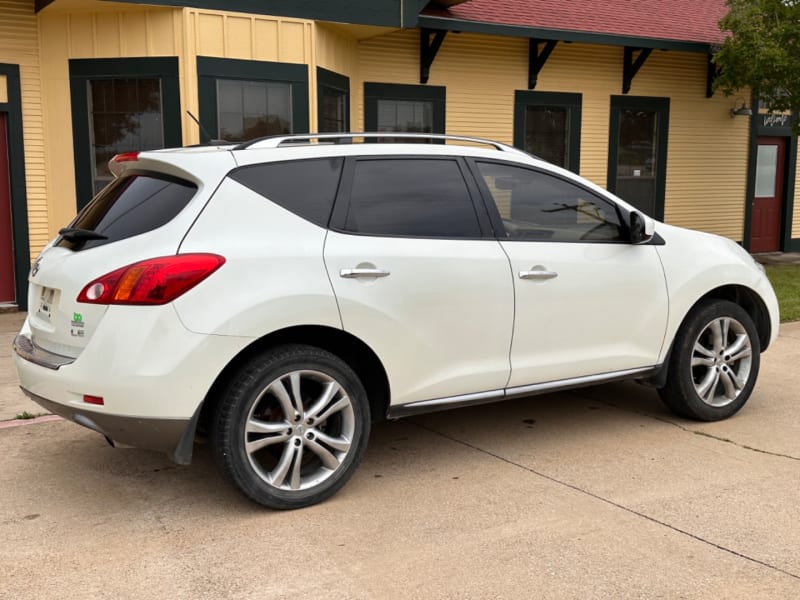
pixel 357 273
pixel 542 275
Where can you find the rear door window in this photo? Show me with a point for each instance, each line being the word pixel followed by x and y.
pixel 305 187
pixel 129 206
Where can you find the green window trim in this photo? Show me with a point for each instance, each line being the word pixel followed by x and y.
pixel 210 69
pixel 395 91
pixel 659 105
pixel 16 176
pixel 331 79
pixel 573 102
pixel 85 69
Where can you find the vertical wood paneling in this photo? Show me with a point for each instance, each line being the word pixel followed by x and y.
pixel 19 45
pixel 707 156
pixel 3 89
pixel 339 53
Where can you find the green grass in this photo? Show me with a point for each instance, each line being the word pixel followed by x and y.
pixel 786 281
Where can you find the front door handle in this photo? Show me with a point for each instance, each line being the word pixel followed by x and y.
pixel 541 275
pixel 362 273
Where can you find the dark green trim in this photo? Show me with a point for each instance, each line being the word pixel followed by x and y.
pixel 759 129
pixel 81 71
pixel 573 102
pixel 661 105
pixel 330 79
pixel 396 91
pixel 560 34
pixel 16 176
pixel 210 69
pixel 388 13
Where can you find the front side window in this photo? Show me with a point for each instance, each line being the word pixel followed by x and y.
pixel 253 109
pixel 411 197
pixel 539 207
pixel 125 115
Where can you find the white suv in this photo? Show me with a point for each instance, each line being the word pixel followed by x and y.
pixel 281 295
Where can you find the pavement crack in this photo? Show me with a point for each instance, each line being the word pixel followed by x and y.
pixel 688 429
pixel 608 501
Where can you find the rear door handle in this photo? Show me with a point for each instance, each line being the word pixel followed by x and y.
pixel 363 273
pixel 538 275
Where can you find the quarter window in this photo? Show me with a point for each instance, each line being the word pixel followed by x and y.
pixel 411 197
pixel 539 207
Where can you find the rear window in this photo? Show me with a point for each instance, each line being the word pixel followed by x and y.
pixel 305 187
pixel 129 206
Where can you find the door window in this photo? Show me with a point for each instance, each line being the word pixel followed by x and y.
pixel 766 170
pixel 411 197
pixel 535 206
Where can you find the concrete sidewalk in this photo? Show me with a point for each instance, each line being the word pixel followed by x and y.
pixel 12 401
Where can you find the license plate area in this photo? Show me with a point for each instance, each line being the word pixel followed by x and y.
pixel 48 303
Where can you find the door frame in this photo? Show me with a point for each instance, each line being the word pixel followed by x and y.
pixel 764 125
pixel 660 105
pixel 16 180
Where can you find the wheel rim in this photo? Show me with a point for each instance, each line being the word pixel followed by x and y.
pixel 299 430
pixel 721 361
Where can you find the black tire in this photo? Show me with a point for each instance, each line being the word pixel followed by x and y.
pixel 285 465
pixel 725 379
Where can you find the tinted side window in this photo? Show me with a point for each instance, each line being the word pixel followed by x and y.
pixel 130 206
pixel 537 206
pixel 411 197
pixel 305 187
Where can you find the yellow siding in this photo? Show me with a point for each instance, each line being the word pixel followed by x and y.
pixel 248 37
pixel 102 32
pixel 707 157
pixel 19 45
pixel 338 52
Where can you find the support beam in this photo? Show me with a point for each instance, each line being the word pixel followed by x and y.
pixel 632 65
pixel 537 59
pixel 430 40
pixel 711 76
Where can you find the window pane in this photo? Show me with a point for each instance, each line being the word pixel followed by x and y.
pixel 405 115
pixel 547 133
pixel 305 187
pixel 253 109
pixel 125 115
pixel 636 158
pixel 766 171
pixel 539 207
pixel 411 197
pixel 332 110
pixel 130 206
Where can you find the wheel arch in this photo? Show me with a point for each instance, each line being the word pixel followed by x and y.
pixel 749 300
pixel 358 355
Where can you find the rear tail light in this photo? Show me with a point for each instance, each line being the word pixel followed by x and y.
pixel 126 157
pixel 152 281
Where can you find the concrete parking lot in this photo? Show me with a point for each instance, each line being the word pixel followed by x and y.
pixel 596 493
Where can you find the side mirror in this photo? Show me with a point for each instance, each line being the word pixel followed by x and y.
pixel 641 228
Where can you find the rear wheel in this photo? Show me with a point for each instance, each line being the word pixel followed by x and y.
pixel 714 364
pixel 292 427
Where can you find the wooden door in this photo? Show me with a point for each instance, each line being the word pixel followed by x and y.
pixel 765 225
pixel 6 243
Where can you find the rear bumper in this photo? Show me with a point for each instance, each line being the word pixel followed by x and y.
pixel 171 436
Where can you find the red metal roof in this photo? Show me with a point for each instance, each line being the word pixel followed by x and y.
pixel 682 20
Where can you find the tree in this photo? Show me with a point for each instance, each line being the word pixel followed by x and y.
pixel 762 53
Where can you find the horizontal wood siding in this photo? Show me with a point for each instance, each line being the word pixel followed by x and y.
pixel 707 156
pixel 247 37
pixel 19 45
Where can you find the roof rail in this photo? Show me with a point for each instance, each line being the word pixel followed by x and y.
pixel 338 138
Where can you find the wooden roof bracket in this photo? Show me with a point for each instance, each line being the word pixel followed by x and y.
pixel 537 59
pixel 632 65
pixel 430 40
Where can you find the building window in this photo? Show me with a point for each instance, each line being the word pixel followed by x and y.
pixel 406 108
pixel 333 101
pixel 241 100
pixel 547 125
pixel 120 105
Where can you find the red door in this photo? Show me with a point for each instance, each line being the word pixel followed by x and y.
pixel 6 243
pixel 765 226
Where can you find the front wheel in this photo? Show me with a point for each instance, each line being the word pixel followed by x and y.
pixel 292 427
pixel 714 363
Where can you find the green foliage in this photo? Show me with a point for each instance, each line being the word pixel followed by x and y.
pixel 785 280
pixel 763 52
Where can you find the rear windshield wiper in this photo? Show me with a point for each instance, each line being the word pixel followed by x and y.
pixel 75 234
